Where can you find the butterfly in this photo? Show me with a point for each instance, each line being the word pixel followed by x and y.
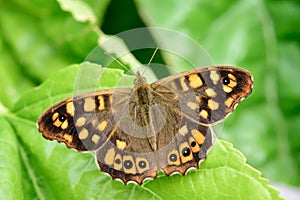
pixel 136 132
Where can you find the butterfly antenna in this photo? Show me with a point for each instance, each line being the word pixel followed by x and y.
pixel 152 57
pixel 117 61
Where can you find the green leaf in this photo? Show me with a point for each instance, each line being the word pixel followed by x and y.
pixel 27 44
pixel 44 42
pixel 79 10
pixel 10 164
pixel 13 83
pixel 224 175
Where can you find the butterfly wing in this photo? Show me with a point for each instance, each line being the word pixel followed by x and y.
pixel 83 122
pixel 208 95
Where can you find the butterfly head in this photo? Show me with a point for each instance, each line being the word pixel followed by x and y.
pixel 139 81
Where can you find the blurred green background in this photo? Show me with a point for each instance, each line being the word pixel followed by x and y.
pixel 37 38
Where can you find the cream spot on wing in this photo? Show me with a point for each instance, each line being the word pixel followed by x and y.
pixel 70 108
pixel 102 126
pixel 195 81
pixel 101 103
pixel 192 105
pixel 65 124
pixel 210 92
pixel 83 134
pixel 57 123
pixel 204 114
pixel 199 137
pixel 95 138
pixel 55 116
pixel 227 89
pixel 183 84
pixel 121 144
pixel 89 104
pixel 232 77
pixel 229 101
pixel 109 156
pixel 215 76
pixel 80 121
pixel 232 84
pixel 183 130
pixel 213 105
pixel 68 138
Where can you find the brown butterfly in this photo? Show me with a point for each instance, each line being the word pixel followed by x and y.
pixel 164 126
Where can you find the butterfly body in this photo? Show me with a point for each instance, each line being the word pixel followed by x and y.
pixel 164 126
